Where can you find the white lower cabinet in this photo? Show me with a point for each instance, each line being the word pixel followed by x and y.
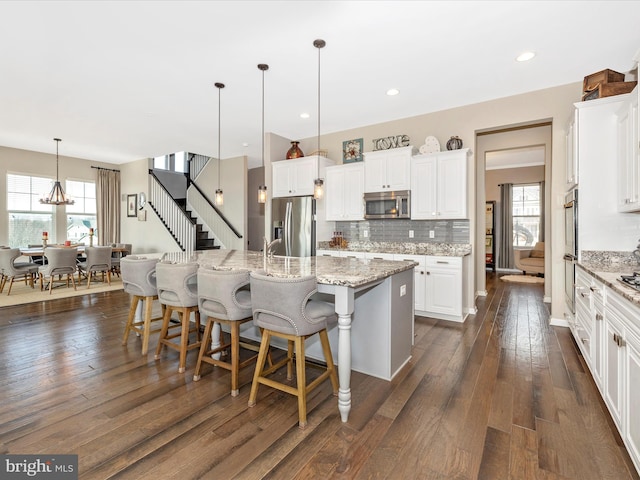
pixel 437 282
pixel 614 361
pixel 611 325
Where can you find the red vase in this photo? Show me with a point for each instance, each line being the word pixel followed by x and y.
pixel 294 151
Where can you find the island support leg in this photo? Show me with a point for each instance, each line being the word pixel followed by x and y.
pixel 344 302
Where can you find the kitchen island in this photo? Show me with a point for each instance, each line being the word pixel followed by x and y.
pixel 373 300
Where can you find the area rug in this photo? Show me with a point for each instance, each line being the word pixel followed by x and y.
pixel 21 293
pixel 522 279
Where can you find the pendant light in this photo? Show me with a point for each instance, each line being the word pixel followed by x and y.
pixel 318 182
pixel 262 189
pixel 219 195
pixel 57 196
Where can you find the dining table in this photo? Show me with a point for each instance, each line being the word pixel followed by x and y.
pixel 39 251
pixel 372 297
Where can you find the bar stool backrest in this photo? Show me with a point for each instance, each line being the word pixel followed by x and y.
pixel 224 294
pixel 139 275
pixel 177 284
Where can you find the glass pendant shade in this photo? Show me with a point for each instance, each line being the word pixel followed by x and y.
pixel 219 197
pixel 57 196
pixel 318 190
pixel 262 194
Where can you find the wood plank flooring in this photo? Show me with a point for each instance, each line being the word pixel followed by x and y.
pixel 503 396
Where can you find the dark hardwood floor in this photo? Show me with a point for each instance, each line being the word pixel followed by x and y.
pixel 502 396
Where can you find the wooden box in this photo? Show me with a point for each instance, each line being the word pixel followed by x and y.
pixel 605 76
pixel 602 90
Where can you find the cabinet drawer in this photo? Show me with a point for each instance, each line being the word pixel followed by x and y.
pixel 443 262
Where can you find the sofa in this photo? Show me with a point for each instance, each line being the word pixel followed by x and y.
pixel 530 260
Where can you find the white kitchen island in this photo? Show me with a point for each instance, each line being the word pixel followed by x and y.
pixel 373 300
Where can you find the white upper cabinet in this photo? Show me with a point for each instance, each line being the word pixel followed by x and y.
pixel 388 170
pixel 628 155
pixel 571 145
pixel 294 178
pixel 345 187
pixel 439 185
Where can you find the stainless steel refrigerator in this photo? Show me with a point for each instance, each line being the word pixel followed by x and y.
pixel 294 223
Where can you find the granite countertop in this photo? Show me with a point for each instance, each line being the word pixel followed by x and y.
pixel 351 272
pixel 609 273
pixel 435 249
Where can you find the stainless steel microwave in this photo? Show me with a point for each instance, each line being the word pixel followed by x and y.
pixel 387 205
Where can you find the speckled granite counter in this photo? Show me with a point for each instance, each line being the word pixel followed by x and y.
pixel 608 270
pixel 435 249
pixel 350 272
pixel 373 300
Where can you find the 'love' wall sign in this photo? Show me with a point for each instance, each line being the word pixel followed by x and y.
pixel 385 143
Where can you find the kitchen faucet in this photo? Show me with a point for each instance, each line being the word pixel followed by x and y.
pixel 268 252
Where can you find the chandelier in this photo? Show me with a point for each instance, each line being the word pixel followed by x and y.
pixel 56 195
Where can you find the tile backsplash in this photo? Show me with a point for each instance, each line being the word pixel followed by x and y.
pixel 445 231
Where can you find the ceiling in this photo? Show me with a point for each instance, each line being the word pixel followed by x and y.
pixel 121 81
pixel 515 158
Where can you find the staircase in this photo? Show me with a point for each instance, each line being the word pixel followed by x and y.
pixel 203 242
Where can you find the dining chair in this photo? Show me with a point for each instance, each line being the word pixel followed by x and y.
pixel 224 298
pixel 59 261
pixel 98 259
pixel 116 257
pixel 284 307
pixel 139 281
pixel 178 291
pixel 9 270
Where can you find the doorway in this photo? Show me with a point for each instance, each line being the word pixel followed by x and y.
pixel 520 157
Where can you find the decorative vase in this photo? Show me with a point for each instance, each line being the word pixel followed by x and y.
pixel 294 151
pixel 454 143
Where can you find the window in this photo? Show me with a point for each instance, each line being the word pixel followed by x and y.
pixel 28 218
pixel 81 216
pixel 175 162
pixel 526 214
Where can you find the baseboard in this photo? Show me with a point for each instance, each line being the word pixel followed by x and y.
pixel 481 293
pixel 559 322
pixel 546 299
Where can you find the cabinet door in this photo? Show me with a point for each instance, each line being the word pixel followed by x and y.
pixel 345 187
pixel 353 192
pixel 305 172
pixel 571 146
pixel 334 199
pixel 452 186
pixel 597 339
pixel 423 188
pixel 281 178
pixel 443 288
pixel 632 414
pixel 614 366
pixel 375 173
pixel 398 170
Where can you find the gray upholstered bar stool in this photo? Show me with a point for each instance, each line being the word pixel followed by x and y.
pixel 139 281
pixel 178 291
pixel 224 298
pixel 283 308
pixel 9 269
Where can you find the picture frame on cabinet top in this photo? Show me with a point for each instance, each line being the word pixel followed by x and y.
pixel 352 150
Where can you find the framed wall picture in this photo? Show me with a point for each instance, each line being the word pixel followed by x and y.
pixel 352 151
pixel 132 204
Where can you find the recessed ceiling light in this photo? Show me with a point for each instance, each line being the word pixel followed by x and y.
pixel 523 57
pixel 393 91
pixel 245 144
pixel 304 115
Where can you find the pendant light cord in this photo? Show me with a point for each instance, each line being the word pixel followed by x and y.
pixel 219 86
pixel 319 44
